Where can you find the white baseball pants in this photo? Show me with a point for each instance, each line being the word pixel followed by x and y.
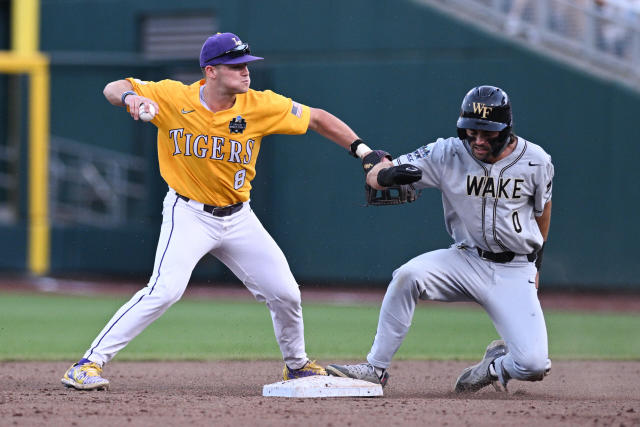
pixel 242 244
pixel 506 291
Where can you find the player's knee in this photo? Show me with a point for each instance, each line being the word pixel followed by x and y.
pixel 289 296
pixel 533 368
pixel 164 300
pixel 406 278
pixel 174 297
pixel 166 289
pixel 407 272
pixel 163 296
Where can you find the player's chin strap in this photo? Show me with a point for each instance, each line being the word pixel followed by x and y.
pixel 500 142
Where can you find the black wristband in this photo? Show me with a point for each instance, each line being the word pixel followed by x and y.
pixel 539 257
pixel 354 147
pixel 125 94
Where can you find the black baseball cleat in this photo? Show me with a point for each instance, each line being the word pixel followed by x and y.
pixel 478 376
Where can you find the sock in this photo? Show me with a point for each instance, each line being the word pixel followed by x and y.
pixel 84 361
pixel 492 371
pixel 305 364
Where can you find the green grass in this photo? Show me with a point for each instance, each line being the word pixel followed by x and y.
pixel 53 327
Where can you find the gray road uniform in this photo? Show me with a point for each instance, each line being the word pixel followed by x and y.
pixel 490 211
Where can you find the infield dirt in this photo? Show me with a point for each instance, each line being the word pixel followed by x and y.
pixel 230 394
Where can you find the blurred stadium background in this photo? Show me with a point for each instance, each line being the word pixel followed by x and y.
pixel 84 197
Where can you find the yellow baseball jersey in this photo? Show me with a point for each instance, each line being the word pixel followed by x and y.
pixel 211 157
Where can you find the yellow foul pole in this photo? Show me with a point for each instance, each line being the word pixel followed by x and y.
pixel 39 228
pixel 25 26
pixel 25 32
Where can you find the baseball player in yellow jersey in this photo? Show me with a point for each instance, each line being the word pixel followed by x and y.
pixel 209 136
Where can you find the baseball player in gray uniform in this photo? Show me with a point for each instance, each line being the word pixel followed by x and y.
pixel 496 193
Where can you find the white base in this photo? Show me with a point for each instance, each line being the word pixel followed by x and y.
pixel 322 386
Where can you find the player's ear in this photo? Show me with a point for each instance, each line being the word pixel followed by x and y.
pixel 209 71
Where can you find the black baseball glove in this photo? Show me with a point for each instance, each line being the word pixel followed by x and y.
pixel 396 179
pixel 396 195
pixel 373 158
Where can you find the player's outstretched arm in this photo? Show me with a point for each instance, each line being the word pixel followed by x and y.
pixel 332 128
pixel 120 93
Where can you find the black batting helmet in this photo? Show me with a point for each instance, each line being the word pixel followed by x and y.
pixel 487 108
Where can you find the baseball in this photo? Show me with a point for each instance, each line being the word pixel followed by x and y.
pixel 145 115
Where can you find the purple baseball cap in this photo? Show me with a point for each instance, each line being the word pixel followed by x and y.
pixel 225 48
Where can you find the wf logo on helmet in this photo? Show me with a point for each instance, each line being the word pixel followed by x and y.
pixel 481 109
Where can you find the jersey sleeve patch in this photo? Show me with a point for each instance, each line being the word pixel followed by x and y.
pixel 296 109
pixel 421 152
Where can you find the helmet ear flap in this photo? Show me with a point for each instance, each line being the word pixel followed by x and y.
pixel 500 142
pixel 505 134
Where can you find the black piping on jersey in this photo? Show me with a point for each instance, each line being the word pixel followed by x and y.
pixel 152 287
pixel 484 200
pixel 495 203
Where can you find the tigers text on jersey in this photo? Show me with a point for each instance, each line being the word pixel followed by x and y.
pixel 489 206
pixel 211 157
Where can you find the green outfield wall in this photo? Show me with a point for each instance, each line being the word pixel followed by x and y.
pixel 396 73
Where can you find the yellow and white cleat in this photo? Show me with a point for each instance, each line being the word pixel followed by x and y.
pixel 85 377
pixel 310 369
